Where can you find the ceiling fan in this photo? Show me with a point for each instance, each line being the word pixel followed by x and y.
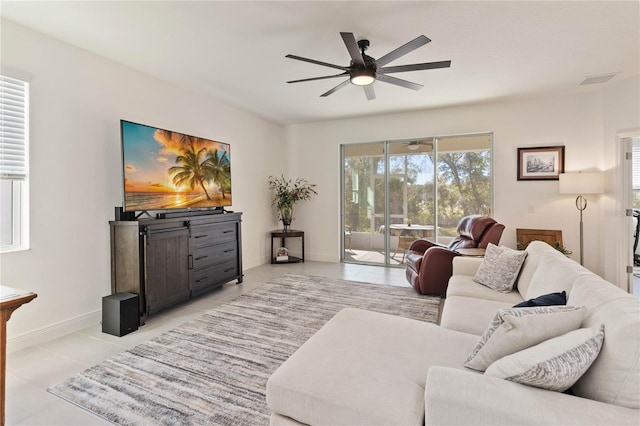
pixel 364 70
pixel 415 145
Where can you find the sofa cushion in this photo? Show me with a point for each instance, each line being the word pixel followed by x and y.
pixel 551 299
pixel 555 364
pixel 615 375
pixel 500 268
pixel 463 285
pixel 515 329
pixel 534 250
pixel 364 367
pixel 466 265
pixel 469 315
pixel 558 274
pixel 456 397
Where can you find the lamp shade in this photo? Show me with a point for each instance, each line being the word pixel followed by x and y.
pixel 582 183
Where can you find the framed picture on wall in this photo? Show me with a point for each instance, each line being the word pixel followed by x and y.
pixel 541 163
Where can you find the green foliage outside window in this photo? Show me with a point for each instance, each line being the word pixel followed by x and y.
pixel 463 184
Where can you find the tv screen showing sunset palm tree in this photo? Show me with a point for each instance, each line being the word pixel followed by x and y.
pixel 170 170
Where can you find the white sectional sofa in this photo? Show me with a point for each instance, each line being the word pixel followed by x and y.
pixel 369 368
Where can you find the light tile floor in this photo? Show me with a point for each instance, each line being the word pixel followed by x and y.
pixel 32 370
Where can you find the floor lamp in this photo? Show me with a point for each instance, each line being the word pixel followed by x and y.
pixel 581 183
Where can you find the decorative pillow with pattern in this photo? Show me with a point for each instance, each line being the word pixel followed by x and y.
pixel 515 329
pixel 500 268
pixel 555 364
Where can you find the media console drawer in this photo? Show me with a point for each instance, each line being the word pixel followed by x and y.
pixel 204 235
pixel 204 256
pixel 214 275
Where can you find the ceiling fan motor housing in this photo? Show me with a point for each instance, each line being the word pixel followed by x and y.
pixel 369 69
pixel 363 75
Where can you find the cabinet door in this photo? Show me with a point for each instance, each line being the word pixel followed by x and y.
pixel 166 268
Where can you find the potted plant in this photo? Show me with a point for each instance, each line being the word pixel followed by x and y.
pixel 287 193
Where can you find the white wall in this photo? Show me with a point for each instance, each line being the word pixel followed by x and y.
pixel 77 100
pixel 575 121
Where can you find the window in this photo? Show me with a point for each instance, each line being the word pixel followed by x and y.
pixel 14 184
pixel 398 191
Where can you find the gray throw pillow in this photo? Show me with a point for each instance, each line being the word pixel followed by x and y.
pixel 500 268
pixel 515 329
pixel 555 364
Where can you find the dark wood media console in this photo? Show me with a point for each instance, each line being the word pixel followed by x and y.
pixel 167 261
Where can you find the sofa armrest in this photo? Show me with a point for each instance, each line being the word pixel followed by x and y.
pixel 466 265
pixel 459 397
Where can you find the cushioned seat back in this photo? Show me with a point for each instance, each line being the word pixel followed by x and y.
pixel 614 377
pixel 555 273
pixel 534 250
pixel 471 230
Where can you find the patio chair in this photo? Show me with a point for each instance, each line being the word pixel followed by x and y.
pixel 429 265
pixel 347 237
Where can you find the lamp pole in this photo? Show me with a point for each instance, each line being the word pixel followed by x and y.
pixel 581 204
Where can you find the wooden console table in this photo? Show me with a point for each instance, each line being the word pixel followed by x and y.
pixel 283 235
pixel 472 252
pixel 10 300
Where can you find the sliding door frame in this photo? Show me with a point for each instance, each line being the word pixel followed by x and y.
pixel 387 175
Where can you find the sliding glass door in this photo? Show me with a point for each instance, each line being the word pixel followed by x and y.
pixel 464 183
pixel 363 206
pixel 397 191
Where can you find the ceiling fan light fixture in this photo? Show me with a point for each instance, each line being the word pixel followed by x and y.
pixel 413 146
pixel 362 77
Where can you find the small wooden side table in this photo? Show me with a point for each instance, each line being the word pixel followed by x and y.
pixel 10 300
pixel 472 252
pixel 282 234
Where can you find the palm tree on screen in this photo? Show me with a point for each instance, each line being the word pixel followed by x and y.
pixel 219 169
pixel 191 170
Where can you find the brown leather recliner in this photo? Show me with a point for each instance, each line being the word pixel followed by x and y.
pixel 430 265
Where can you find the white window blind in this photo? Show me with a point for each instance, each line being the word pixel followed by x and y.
pixel 13 128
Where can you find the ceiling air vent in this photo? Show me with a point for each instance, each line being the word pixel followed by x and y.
pixel 597 79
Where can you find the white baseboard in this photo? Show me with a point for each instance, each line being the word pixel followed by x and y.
pixel 53 331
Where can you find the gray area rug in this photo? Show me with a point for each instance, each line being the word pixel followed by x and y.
pixel 214 369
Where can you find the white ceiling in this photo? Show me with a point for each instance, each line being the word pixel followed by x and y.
pixel 235 50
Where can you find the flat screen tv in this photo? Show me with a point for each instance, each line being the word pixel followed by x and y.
pixel 169 170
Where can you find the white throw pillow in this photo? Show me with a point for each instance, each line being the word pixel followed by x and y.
pixel 499 268
pixel 514 329
pixel 555 364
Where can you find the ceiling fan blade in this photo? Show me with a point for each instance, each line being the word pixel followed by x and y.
pixel 318 78
pixel 415 67
pixel 339 86
pixel 368 90
pixel 352 47
pixel 403 50
pixel 398 82
pixel 313 61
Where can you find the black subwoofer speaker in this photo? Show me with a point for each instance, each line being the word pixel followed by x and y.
pixel 120 314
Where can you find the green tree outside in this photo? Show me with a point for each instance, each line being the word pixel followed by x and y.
pixel 463 183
